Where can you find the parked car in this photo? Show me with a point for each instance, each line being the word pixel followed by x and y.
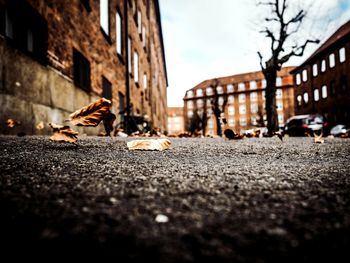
pixel 301 125
pixel 340 130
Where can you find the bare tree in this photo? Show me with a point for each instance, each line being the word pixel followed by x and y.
pixel 279 29
pixel 217 108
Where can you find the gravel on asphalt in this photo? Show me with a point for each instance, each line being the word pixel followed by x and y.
pixel 250 200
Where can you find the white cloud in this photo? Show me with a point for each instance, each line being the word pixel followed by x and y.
pixel 205 39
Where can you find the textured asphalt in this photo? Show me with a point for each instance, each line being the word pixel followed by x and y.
pixel 203 200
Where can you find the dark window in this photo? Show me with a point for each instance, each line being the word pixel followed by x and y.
pixel 24 29
pixel 343 84
pixel 332 88
pixel 81 70
pixel 107 89
pixel 86 4
pixel 121 106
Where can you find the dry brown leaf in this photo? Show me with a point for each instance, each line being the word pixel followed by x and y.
pixel 155 144
pixel 40 126
pixel 92 114
pixel 12 123
pixel 63 133
pixel 279 135
pixel 318 138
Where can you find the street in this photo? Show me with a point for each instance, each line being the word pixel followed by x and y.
pixel 250 200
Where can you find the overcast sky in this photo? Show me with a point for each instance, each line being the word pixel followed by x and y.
pixel 205 39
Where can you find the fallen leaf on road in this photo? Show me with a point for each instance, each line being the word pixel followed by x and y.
pixel 40 126
pixel 151 144
pixel 92 114
pixel 278 134
pixel 161 218
pixel 318 138
pixel 63 133
pixel 12 123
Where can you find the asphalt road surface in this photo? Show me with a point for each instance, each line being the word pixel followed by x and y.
pixel 203 200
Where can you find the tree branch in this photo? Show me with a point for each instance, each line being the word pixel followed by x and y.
pixel 297 51
pixel 261 61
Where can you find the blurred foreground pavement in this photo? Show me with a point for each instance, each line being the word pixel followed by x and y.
pixel 203 200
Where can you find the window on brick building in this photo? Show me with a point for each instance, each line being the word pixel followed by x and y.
pixel 253 96
pixel 118 31
pixel 200 104
pixel 144 36
pixel 209 91
pixel 304 75
pixel 190 104
pixel 199 92
pixel 254 108
pixel 30 36
pixel 231 122
pixel 136 66
pixel 189 113
pixel 332 90
pixel 81 70
pixel 324 92
pixel 280 118
pixel 129 55
pixel 263 83
pixel 229 88
pixel 252 84
pixel 242 109
pixel 190 93
pixel 86 4
pixel 241 86
pixel 243 121
pixel 221 101
pixel 297 79
pixel 343 83
pixel 253 120
pixel 104 16
pixel 241 97
pixel 331 60
pixel 219 90
pixel 279 94
pixel 231 110
pixel 306 97
pixel 299 100
pixel 139 22
pixel 316 95
pixel 279 105
pixel 278 81
pixel 323 65
pixel 230 99
pixel 263 94
pixel 314 70
pixel 342 56
pixel 106 89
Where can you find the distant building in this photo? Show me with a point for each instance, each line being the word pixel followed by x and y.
pixel 175 120
pixel 322 81
pixel 58 56
pixel 241 98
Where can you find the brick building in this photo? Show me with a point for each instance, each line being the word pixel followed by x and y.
pixel 241 98
pixel 175 120
pixel 57 56
pixel 322 81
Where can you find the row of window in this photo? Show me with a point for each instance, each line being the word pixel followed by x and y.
pixel 303 76
pixel 254 108
pixel 243 121
pixel 231 99
pixel 230 88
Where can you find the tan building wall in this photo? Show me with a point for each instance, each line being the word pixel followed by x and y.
pixel 175 120
pixel 43 51
pixel 243 96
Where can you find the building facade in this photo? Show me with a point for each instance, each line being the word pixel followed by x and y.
pixel 58 56
pixel 175 120
pixel 241 99
pixel 322 81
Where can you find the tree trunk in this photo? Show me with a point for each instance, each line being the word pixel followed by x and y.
pixel 270 94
